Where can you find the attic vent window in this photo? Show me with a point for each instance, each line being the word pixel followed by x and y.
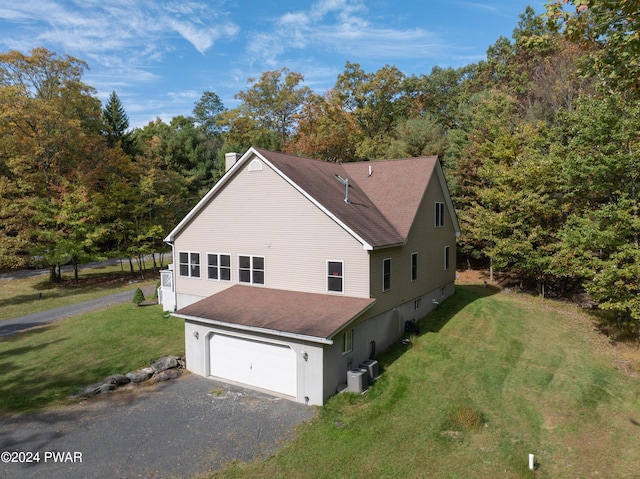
pixel 255 165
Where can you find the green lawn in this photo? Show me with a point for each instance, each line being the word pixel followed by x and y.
pixel 19 297
pixel 43 366
pixel 494 377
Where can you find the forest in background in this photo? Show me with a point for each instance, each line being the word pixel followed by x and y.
pixel 539 142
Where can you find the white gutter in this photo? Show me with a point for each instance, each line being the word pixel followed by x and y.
pixel 173 275
pixel 254 329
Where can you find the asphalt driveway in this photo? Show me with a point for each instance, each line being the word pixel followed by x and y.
pixel 181 428
pixel 21 323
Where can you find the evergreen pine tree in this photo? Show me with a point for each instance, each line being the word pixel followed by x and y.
pixel 116 122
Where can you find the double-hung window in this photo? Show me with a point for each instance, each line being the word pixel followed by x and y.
pixel 219 267
pixel 335 276
pixel 386 274
pixel 189 264
pixel 439 214
pixel 251 269
pixel 414 266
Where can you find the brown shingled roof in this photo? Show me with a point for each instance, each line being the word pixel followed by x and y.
pixel 306 314
pixel 381 207
pixel 396 187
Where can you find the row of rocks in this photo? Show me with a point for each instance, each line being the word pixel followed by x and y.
pixel 165 368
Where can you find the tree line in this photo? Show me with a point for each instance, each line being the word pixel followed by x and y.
pixel 539 141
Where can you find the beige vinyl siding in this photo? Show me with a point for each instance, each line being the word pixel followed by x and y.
pixel 426 240
pixel 258 213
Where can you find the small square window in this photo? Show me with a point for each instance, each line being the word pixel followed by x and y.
pixel 251 269
pixel 219 267
pixel 189 264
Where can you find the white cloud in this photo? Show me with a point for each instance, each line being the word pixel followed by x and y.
pixel 339 26
pixel 136 29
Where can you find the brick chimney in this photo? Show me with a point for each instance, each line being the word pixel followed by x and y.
pixel 230 160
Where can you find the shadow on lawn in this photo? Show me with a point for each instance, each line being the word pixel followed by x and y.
pixel 434 321
pixel 463 296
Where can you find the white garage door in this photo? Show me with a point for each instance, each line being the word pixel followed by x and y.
pixel 263 365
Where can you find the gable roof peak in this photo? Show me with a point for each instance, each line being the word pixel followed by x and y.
pixel 376 201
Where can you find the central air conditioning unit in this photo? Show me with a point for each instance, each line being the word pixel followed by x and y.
pixel 371 366
pixel 357 380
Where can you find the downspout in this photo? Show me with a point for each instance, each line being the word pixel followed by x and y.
pixel 173 277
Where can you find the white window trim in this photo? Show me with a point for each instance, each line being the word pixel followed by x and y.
pixel 251 269
pixel 342 277
pixel 219 268
pixel 390 278
pixel 189 253
pixel 414 254
pixel 347 343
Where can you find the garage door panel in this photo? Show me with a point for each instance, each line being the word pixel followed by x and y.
pixel 265 365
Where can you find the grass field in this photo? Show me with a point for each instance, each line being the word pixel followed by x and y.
pixel 42 367
pixel 494 377
pixel 21 297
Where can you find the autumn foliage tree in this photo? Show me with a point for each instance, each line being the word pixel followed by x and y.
pixel 539 142
pixel 50 126
pixel 268 111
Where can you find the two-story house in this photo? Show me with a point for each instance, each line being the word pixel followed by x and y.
pixel 292 271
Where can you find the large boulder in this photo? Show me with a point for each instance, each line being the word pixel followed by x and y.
pixel 164 363
pixel 95 389
pixel 165 368
pixel 117 379
pixel 140 375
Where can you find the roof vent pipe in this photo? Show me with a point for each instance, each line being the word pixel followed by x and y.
pixel 346 191
pixel 345 182
pixel 370 170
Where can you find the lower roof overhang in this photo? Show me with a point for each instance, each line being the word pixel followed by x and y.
pixel 289 314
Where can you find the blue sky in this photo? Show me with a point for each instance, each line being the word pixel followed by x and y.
pixel 161 55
